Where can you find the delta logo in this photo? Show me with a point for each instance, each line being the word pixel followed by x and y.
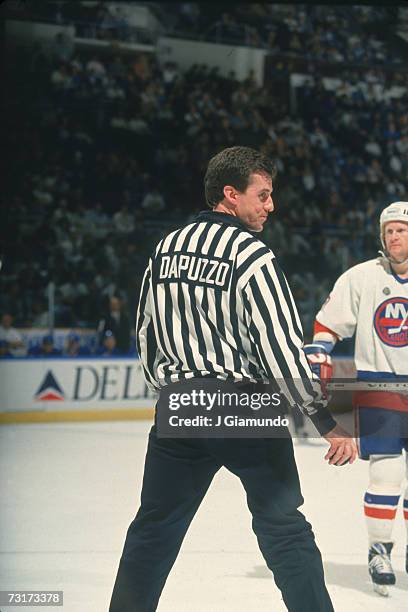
pixel 85 382
pixel 391 321
pixel 49 390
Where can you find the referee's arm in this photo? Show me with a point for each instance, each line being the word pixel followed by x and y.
pixel 276 334
pixel 145 339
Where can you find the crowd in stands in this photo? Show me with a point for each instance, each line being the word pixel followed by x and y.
pixel 108 153
pixel 104 21
pixel 112 338
pixel 349 33
pixel 352 34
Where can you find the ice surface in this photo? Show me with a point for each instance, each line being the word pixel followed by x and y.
pixel 69 491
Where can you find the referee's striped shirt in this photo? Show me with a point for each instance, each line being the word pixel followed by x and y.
pixel 214 302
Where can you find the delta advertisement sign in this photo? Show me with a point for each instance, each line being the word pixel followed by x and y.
pixel 72 384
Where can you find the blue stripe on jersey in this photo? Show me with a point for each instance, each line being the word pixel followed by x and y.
pixel 385 500
pixel 398 278
pixel 405 503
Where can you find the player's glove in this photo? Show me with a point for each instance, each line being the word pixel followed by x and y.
pixel 320 362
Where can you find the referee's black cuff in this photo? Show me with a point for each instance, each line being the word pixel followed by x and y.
pixel 323 421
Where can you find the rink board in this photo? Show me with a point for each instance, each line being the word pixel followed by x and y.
pixel 65 389
pixel 46 390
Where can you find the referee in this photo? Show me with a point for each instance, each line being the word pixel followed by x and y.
pixel 214 303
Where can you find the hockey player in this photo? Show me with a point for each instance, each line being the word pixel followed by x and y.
pixel 371 299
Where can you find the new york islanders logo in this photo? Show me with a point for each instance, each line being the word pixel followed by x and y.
pixel 391 321
pixel 49 390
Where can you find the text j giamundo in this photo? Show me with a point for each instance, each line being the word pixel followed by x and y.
pixel 228 421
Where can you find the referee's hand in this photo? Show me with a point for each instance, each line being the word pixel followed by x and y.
pixel 342 449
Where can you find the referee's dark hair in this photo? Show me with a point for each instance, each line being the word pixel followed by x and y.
pixel 234 166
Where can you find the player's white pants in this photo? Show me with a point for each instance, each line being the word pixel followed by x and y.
pixel 386 476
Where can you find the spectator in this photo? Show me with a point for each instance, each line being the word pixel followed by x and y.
pixel 46 349
pixel 41 316
pixel 153 202
pixel 4 350
pixel 63 46
pixel 73 348
pixel 124 221
pixel 170 74
pixel 12 336
pixel 117 322
pixel 97 221
pixel 109 347
pixel 96 67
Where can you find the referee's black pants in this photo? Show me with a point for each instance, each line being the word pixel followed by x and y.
pixel 176 477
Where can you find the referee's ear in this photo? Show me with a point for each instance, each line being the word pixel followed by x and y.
pixel 230 195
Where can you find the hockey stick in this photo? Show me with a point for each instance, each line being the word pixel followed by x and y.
pixel 400 328
pixel 358 385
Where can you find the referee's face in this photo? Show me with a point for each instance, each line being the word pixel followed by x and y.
pixel 254 205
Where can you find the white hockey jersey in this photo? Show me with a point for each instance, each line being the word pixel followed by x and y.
pixel 371 300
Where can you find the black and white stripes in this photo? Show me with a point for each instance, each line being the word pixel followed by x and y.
pixel 214 302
